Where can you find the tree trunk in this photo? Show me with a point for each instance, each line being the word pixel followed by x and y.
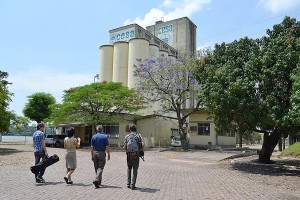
pixel 270 142
pixel 184 143
pixel 183 135
pixel 240 140
pixel 280 143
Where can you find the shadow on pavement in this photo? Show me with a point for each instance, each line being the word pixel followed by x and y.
pixel 149 190
pixel 279 168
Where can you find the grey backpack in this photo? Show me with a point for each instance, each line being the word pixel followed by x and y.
pixel 132 143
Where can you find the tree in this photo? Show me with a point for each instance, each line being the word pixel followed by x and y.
pixel 171 82
pixel 95 103
pixel 256 94
pixel 19 122
pixel 37 107
pixel 5 98
pixel 228 86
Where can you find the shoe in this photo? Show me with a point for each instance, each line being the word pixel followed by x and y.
pixel 133 187
pixel 66 179
pixel 96 183
pixel 128 185
pixel 70 182
pixel 39 179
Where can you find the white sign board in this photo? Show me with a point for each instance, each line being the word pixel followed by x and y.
pixel 123 35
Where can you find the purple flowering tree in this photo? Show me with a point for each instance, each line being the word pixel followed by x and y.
pixel 171 82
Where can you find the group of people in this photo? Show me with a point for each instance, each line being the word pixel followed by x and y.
pixel 100 151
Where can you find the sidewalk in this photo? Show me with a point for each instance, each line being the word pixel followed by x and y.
pixel 163 175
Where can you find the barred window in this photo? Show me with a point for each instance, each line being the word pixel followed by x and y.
pixel 203 129
pixel 111 130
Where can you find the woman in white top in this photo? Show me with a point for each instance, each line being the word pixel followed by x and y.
pixel 70 144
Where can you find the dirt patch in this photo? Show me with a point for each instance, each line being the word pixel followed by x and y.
pixel 285 172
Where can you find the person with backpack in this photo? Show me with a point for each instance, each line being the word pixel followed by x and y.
pixel 133 143
pixel 99 149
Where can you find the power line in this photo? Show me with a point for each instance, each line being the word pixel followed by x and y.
pixel 249 25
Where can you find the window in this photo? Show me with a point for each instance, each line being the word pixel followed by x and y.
pixel 112 130
pixel 203 129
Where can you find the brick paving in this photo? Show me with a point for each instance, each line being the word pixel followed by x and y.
pixel 163 175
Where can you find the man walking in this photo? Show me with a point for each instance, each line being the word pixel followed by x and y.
pixel 40 150
pixel 99 149
pixel 133 143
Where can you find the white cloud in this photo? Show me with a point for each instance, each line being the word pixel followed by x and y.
pixel 205 46
pixel 170 9
pixel 276 6
pixel 40 80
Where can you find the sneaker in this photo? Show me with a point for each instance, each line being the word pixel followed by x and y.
pixel 133 187
pixel 96 183
pixel 39 179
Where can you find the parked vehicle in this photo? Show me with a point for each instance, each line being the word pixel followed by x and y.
pixel 55 140
pixel 176 142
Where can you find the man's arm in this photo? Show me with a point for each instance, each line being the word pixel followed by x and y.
pixel 141 141
pixel 44 147
pixel 107 149
pixel 92 152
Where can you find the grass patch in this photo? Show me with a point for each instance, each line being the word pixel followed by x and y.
pixel 292 151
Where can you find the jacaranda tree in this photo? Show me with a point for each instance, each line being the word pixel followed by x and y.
pixel 171 82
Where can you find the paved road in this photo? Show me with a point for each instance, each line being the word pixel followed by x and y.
pixel 163 175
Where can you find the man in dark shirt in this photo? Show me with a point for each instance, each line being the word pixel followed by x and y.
pixel 99 149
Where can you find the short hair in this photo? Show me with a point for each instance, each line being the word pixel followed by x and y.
pixel 39 126
pixel 132 127
pixel 99 128
pixel 71 132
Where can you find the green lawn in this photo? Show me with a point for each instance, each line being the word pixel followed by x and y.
pixel 292 151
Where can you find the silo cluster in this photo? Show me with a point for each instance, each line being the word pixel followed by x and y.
pixel 118 59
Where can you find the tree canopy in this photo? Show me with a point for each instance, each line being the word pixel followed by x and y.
pixel 171 82
pixel 37 107
pixel 5 98
pixel 95 103
pixel 251 85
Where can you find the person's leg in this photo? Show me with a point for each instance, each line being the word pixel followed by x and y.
pixel 96 166
pixel 135 166
pixel 129 168
pixel 69 175
pixel 41 174
pixel 36 161
pixel 102 161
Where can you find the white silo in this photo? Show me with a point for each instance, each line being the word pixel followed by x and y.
pixel 163 53
pixel 138 49
pixel 120 62
pixel 172 57
pixel 153 50
pixel 106 63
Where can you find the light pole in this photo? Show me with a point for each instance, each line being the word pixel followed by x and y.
pixel 96 76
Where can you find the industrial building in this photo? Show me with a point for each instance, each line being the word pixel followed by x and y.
pixel 132 42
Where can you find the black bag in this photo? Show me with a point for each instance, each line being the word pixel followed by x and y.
pixel 141 155
pixel 141 150
pixel 44 163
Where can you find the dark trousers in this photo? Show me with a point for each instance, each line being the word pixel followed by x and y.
pixel 99 163
pixel 38 157
pixel 133 161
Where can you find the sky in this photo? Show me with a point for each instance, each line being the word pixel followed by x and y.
pixel 53 45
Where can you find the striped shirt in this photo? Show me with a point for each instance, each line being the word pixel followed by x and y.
pixel 38 136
